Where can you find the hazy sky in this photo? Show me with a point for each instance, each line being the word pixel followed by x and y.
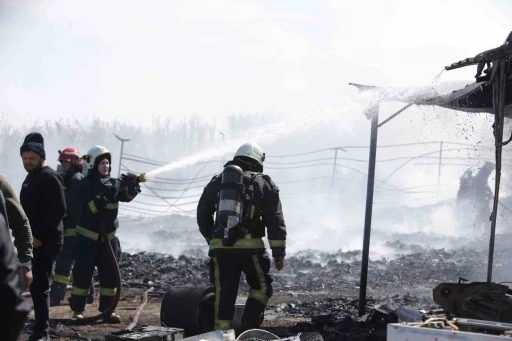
pixel 130 60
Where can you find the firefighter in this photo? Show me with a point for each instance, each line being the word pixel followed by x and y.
pixel 71 168
pixel 100 197
pixel 235 240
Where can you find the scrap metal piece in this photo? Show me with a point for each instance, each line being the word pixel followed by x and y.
pixel 150 333
pixel 477 300
pixel 409 332
pixel 189 307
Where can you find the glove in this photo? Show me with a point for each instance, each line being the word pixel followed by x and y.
pixel 279 262
pixel 128 178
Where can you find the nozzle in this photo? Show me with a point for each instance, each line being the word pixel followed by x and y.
pixel 142 178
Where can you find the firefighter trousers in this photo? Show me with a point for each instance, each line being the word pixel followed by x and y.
pixel 88 254
pixel 63 270
pixel 225 272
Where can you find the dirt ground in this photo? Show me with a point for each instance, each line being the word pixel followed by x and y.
pixel 63 327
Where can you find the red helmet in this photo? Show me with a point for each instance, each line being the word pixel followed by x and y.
pixel 70 154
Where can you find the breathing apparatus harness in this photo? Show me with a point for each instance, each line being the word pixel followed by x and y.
pixel 232 216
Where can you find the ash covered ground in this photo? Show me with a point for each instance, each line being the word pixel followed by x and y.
pixel 322 287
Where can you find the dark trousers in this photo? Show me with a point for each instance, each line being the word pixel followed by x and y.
pixel 42 266
pixel 89 253
pixel 225 272
pixel 63 270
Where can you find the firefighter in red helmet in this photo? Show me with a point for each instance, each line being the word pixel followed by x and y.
pixel 71 164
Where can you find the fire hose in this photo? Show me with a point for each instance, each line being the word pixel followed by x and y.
pixel 113 259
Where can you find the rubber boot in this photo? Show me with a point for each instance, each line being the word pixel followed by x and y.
pixel 112 318
pixel 78 315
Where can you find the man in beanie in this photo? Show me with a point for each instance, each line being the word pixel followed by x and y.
pixel 42 198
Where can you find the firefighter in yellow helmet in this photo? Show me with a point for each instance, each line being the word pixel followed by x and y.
pixel 245 201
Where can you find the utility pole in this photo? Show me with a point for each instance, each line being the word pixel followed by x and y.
pixel 121 154
pixel 222 157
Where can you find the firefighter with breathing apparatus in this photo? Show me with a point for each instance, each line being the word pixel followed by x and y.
pixel 245 202
pixel 71 166
pixel 100 197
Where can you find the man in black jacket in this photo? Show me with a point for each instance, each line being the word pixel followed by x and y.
pixel 246 251
pixel 42 198
pixel 13 308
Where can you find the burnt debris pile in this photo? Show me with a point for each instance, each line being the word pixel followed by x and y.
pixel 331 273
pixel 336 319
pixel 319 288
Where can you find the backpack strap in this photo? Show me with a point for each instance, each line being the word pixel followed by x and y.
pixel 248 208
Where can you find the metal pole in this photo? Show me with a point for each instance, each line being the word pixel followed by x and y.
pixel 498 103
pixel 440 161
pixel 494 215
pixel 334 166
pixel 222 157
pixel 394 115
pixel 369 206
pixel 120 159
pixel 121 154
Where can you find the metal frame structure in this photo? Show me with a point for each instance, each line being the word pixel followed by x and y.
pixel 487 94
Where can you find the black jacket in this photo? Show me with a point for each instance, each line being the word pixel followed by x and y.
pixel 42 199
pixel 264 196
pixel 94 186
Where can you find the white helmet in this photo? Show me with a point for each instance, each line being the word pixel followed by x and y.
pixel 251 150
pixel 92 155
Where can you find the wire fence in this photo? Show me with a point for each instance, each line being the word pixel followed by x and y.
pixel 171 195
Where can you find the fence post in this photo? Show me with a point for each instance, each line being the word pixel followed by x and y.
pixel 334 166
pixel 121 154
pixel 440 165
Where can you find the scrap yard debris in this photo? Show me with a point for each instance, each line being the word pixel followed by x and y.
pixel 316 292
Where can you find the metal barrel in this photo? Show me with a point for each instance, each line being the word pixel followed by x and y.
pixel 190 308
